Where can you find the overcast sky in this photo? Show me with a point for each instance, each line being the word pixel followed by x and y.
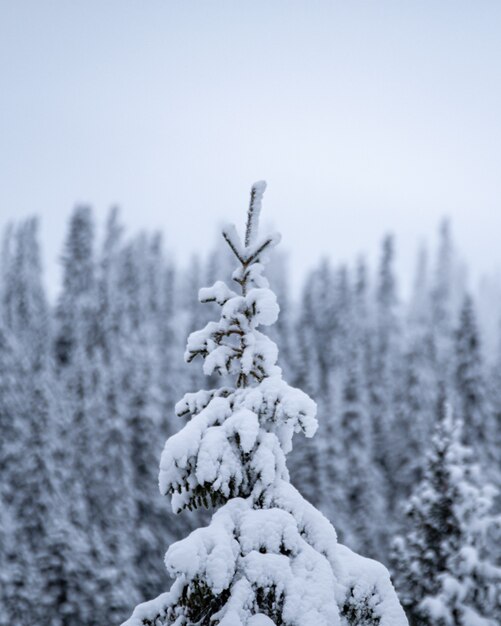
pixel 362 116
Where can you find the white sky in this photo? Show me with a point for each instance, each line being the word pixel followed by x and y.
pixel 362 117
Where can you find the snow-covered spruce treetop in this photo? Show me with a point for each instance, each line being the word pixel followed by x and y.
pixel 268 557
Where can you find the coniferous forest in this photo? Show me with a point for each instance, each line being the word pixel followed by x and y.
pixel 406 462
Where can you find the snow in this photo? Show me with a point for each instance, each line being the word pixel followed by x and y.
pixel 154 609
pixel 219 292
pixel 264 305
pixel 254 213
pixel 260 620
pixel 295 554
pixel 264 548
pixel 368 584
pixel 259 421
pixel 232 238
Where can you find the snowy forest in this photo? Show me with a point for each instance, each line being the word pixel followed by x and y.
pixel 406 462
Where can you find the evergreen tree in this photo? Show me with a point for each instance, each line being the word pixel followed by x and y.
pixel 69 581
pixel 305 460
pixel 7 277
pixel 442 299
pixel 445 574
pixel 355 482
pixel 32 448
pixel 470 392
pixel 420 309
pixel 416 382
pixel 494 388
pixel 313 367
pixel 283 331
pixel 140 407
pixel 384 368
pixel 16 562
pixel 76 307
pixel 414 411
pixel 114 498
pixel 267 556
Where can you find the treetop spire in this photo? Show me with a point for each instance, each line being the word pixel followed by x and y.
pixel 254 211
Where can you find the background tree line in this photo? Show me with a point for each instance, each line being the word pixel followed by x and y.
pixel 88 385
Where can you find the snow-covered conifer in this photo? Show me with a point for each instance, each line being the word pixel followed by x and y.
pixel 494 386
pixel 78 297
pixel 268 556
pixel 441 301
pixel 385 365
pixel 30 453
pixel 355 482
pixel 445 574
pixel 283 331
pixel 417 387
pixel 470 392
pixel 16 562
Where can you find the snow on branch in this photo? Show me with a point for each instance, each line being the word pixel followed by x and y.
pixel 254 212
pixel 255 247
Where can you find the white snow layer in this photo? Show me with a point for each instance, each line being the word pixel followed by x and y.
pixel 257 193
pixel 258 421
pixel 316 581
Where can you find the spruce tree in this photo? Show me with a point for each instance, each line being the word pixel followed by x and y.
pixel 494 386
pixel 445 573
pixel 16 561
pixel 305 461
pixel 384 368
pixel 311 374
pixel 268 556
pixel 358 504
pixel 30 455
pixel 470 391
pixel 353 494
pixel 140 406
pixel 77 303
pixel 442 299
pixel 416 384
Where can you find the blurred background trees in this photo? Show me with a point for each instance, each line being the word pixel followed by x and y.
pixel 88 386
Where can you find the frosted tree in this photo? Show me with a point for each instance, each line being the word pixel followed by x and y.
pixel 442 297
pixel 470 387
pixel 494 387
pixel 355 481
pixel 362 313
pixel 25 308
pixel 16 563
pixel 385 365
pixel 420 311
pixel 283 331
pixel 30 452
pixel 110 499
pixel 75 344
pixel 76 306
pixel 417 386
pixel 268 556
pixel 308 369
pixel 314 364
pixel 445 573
pixel 352 483
pixel 414 412
pixel 305 462
pixel 140 264
pixel 192 317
